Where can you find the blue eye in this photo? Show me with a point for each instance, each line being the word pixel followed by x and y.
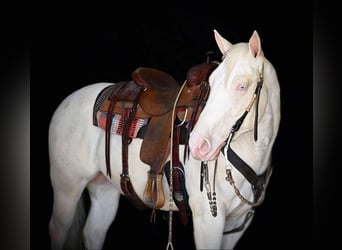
pixel 242 86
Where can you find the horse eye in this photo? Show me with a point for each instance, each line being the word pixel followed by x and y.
pixel 242 86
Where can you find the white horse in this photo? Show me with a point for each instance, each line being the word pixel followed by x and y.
pixel 243 87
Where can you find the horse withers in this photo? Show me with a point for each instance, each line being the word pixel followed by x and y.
pixel 226 172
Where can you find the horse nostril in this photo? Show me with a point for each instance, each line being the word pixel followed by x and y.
pixel 204 147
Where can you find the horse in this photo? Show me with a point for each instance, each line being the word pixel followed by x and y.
pixel 229 154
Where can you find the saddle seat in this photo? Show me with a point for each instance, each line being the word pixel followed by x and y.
pixel 157 97
pixel 160 92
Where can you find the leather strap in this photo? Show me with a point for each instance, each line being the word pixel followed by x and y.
pixel 125 182
pixel 178 192
pixel 108 125
pixel 248 217
pixel 257 181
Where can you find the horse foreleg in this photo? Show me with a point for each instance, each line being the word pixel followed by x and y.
pixel 208 230
pixel 104 204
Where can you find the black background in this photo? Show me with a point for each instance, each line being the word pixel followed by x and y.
pixel 74 49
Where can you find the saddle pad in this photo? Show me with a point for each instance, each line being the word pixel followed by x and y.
pixel 102 96
pixel 117 123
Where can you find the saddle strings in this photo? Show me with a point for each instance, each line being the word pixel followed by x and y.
pixel 169 243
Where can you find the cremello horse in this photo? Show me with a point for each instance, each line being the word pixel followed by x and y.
pixel 243 87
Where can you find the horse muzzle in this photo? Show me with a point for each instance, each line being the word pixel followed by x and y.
pixel 203 149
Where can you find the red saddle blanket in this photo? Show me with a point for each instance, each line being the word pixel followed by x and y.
pixel 117 123
pixel 100 117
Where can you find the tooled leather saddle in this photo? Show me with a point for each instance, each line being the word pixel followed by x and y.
pixel 154 97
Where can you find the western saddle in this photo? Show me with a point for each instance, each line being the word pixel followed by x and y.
pixel 154 95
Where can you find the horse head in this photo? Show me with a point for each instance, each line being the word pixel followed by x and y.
pixel 235 85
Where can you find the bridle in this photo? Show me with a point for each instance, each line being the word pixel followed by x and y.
pixel 255 98
pixel 258 182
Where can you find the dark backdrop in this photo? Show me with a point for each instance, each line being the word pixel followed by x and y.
pixel 73 50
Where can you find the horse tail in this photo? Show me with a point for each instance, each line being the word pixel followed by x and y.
pixel 75 235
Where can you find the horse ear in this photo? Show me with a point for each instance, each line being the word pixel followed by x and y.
pixel 254 44
pixel 222 43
